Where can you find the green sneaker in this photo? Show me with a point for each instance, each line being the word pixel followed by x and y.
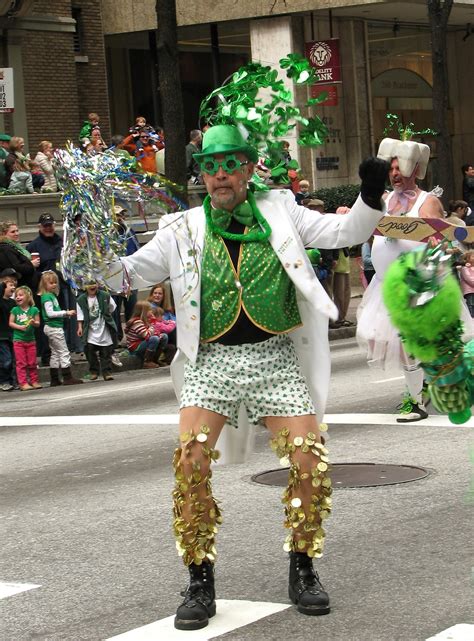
pixel 410 411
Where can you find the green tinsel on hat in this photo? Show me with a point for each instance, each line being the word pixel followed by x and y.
pixel 262 121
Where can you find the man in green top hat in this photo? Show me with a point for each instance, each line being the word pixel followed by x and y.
pixel 4 151
pixel 252 348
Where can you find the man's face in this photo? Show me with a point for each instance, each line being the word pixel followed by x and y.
pixel 47 230
pixel 227 190
pixel 4 144
pixel 399 182
pixel 470 171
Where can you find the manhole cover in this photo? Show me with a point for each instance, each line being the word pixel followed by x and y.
pixel 353 475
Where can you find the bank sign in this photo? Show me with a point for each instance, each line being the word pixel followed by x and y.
pixel 323 55
pixel 7 103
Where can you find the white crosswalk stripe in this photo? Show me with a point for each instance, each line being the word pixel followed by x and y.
pixel 459 632
pixel 9 589
pixel 231 615
pixel 173 419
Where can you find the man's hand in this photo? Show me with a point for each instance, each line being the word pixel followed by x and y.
pixel 374 175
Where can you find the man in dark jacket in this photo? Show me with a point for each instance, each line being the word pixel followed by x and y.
pixel 193 173
pixel 48 244
pixel 468 191
pixel 4 151
pixel 129 241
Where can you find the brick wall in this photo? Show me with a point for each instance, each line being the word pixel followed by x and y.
pixel 50 88
pixel 92 76
pixel 60 92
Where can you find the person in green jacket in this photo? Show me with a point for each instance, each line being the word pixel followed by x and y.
pixel 97 326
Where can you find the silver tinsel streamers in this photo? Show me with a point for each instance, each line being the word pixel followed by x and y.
pixel 90 186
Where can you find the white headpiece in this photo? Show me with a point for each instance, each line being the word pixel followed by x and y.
pixel 409 154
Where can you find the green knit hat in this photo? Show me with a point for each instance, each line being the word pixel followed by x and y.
pixel 223 139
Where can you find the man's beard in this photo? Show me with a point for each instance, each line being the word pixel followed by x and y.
pixel 228 199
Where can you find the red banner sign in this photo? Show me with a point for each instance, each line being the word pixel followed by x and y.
pixel 324 56
pixel 332 100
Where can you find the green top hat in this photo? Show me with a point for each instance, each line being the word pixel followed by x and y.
pixel 223 139
pixel 5 138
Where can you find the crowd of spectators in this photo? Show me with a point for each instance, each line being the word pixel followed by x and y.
pixel 148 327
pixel 21 174
pixel 42 319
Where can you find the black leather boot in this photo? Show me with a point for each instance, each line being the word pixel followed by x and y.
pixel 199 603
pixel 68 378
pixel 305 590
pixel 54 376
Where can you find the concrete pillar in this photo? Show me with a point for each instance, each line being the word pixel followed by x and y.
pixel 270 40
pixel 349 122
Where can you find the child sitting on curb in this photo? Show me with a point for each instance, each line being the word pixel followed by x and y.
pixel 140 333
pixel 163 329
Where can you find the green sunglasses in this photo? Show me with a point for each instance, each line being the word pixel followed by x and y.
pixel 230 164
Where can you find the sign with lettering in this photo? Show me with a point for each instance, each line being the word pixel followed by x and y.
pixel 324 56
pixel 327 163
pixel 7 101
pixel 400 83
pixel 331 101
pixel 421 229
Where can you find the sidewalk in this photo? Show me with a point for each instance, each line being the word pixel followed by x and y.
pixel 80 366
pixel 349 332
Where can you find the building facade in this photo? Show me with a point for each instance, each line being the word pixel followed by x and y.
pixel 71 57
pixel 385 56
pixel 56 49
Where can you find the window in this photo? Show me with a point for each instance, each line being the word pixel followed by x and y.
pixel 79 33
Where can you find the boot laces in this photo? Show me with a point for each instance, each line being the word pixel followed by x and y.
pixel 200 586
pixel 308 578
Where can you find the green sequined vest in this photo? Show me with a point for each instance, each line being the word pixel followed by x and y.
pixel 268 300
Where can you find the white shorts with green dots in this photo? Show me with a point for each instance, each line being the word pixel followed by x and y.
pixel 265 377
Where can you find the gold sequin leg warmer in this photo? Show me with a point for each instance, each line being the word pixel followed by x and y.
pixel 309 464
pixel 193 496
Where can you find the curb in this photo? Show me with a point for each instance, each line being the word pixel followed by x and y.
pixel 80 368
pixel 342 332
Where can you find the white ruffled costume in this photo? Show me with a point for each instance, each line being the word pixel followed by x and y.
pixel 375 332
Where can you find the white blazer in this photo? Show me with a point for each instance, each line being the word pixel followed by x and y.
pixel 176 250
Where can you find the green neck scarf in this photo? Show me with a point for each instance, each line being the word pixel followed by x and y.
pixel 17 246
pixel 246 213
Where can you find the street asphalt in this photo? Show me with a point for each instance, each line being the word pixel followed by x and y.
pixel 86 517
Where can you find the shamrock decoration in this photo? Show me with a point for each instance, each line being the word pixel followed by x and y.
pixel 269 117
pixel 406 132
